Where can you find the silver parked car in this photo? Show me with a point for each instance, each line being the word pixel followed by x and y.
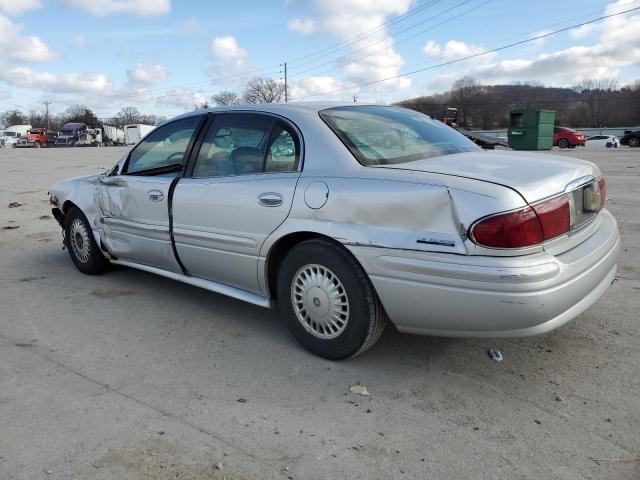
pixel 305 206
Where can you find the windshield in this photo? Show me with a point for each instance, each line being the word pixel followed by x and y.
pixel 378 135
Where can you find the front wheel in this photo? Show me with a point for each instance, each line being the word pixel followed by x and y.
pixel 83 249
pixel 36 145
pixel 633 142
pixel 563 143
pixel 328 301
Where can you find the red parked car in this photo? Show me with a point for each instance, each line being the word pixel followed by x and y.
pixel 567 138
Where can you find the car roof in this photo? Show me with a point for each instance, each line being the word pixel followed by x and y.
pixel 277 108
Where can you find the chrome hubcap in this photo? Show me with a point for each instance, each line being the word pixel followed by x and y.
pixel 79 238
pixel 320 301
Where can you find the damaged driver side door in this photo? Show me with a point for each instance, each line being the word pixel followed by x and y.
pixel 134 202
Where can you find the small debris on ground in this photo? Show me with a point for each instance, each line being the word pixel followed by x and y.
pixel 219 465
pixel 11 227
pixel 558 398
pixel 359 390
pixel 538 422
pixel 495 355
pixel 14 204
pixel 241 400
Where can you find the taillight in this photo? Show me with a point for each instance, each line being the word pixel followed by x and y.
pixel 525 227
pixel 509 230
pixel 554 215
pixel 603 192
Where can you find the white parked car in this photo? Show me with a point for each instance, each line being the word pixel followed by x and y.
pixel 602 141
pixel 304 207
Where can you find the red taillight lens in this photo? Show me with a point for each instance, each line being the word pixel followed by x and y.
pixel 603 192
pixel 554 216
pixel 526 227
pixel 509 230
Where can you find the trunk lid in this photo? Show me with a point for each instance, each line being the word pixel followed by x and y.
pixel 534 175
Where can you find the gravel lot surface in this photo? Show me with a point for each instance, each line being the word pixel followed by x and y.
pixel 129 376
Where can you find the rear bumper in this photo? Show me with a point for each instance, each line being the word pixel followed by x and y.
pixel 470 296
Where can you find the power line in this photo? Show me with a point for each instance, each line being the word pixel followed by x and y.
pixel 475 55
pixel 395 43
pixel 387 39
pixel 361 35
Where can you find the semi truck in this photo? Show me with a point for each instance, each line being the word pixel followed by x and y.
pixel 11 135
pixel 78 135
pixel 134 133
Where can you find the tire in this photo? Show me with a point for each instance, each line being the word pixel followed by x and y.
pixel 360 317
pixel 633 142
pixel 36 145
pixel 563 143
pixel 78 235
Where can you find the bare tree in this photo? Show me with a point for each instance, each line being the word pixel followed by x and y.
pixel 203 106
pixel 226 97
pixel 597 93
pixel 80 114
pixel 263 90
pixel 127 116
pixel 463 93
pixel 13 117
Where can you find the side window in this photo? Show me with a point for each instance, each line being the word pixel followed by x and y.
pixel 234 145
pixel 164 147
pixel 284 150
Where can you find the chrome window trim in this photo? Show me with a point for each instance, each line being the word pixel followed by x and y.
pixel 275 116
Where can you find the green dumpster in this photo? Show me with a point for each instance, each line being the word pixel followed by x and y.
pixel 531 129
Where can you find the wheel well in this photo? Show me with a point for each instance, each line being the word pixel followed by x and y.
pixel 68 205
pixel 280 249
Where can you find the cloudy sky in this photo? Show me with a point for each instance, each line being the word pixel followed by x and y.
pixel 165 56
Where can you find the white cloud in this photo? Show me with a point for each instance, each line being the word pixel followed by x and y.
pixel 540 41
pixel 104 8
pixel 68 83
pixel 79 41
pixel 182 98
pixel 314 85
pixel 451 50
pixel 304 26
pixel 15 47
pixel 147 74
pixel 363 62
pixel 227 49
pixel 617 45
pixel 16 7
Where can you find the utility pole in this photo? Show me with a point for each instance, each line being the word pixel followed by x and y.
pixel 355 99
pixel 286 93
pixel 46 104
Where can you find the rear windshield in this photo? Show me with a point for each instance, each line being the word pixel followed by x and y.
pixel 378 135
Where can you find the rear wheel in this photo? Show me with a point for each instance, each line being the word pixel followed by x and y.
pixel 633 142
pixel 83 249
pixel 563 143
pixel 36 145
pixel 328 301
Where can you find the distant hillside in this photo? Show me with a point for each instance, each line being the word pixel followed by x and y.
pixel 594 103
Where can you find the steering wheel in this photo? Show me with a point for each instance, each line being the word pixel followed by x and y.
pixel 176 155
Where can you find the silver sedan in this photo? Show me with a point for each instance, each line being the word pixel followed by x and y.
pixel 307 207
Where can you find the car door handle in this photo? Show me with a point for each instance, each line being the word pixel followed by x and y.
pixel 270 199
pixel 155 195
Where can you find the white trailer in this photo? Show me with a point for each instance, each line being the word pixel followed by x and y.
pixel 113 135
pixel 11 135
pixel 134 133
